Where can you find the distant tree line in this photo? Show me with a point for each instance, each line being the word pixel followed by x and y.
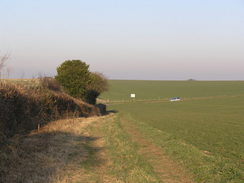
pixel 76 79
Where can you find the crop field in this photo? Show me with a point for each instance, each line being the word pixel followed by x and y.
pixel 144 90
pixel 204 131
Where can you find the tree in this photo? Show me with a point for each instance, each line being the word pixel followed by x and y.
pixel 98 84
pixel 3 60
pixel 74 76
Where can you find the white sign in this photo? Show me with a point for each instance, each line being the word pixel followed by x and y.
pixel 132 95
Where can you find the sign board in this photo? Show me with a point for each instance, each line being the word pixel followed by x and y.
pixel 132 95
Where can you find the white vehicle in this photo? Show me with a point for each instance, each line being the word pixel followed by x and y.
pixel 175 99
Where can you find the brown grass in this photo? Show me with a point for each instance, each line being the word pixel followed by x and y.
pixel 55 153
pixel 23 108
pixel 49 83
pixel 63 151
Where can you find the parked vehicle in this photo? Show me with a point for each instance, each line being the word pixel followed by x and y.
pixel 174 99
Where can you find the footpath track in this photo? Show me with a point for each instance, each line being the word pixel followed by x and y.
pixel 168 170
pixel 88 150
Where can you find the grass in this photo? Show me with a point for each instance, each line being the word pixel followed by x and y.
pixel 209 125
pixel 121 89
pixel 206 166
pixel 91 150
pixel 204 132
pixel 126 163
pixel 28 83
pixel 61 151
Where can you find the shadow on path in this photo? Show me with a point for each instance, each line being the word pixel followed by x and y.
pixel 43 157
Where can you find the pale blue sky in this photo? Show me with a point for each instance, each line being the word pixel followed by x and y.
pixel 136 39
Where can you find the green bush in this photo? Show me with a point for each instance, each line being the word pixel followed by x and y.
pixel 79 82
pixel 74 76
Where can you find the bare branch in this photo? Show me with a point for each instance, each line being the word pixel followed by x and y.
pixel 3 61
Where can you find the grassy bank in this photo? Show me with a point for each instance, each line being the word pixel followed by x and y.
pixel 24 108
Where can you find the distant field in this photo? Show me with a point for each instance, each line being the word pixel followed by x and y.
pixel 121 89
pixel 210 120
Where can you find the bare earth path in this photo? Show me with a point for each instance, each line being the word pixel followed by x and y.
pixel 168 170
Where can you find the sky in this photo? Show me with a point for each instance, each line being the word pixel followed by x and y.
pixel 127 39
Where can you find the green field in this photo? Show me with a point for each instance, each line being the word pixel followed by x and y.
pixel 121 89
pixel 204 131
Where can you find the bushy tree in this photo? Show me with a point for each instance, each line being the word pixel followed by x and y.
pixel 97 84
pixel 74 76
pixel 76 79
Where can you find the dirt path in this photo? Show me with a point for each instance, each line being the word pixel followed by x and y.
pixel 168 170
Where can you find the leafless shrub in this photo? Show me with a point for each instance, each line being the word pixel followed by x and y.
pixel 3 60
pixel 49 83
pixel 98 84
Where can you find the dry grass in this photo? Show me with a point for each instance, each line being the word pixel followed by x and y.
pixel 50 83
pixel 26 108
pixel 62 151
pixel 23 83
pixel 86 150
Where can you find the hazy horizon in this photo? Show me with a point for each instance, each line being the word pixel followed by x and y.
pixel 132 40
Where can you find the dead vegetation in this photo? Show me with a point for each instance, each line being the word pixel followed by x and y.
pixel 26 108
pixel 3 60
pixel 61 151
pixel 49 83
